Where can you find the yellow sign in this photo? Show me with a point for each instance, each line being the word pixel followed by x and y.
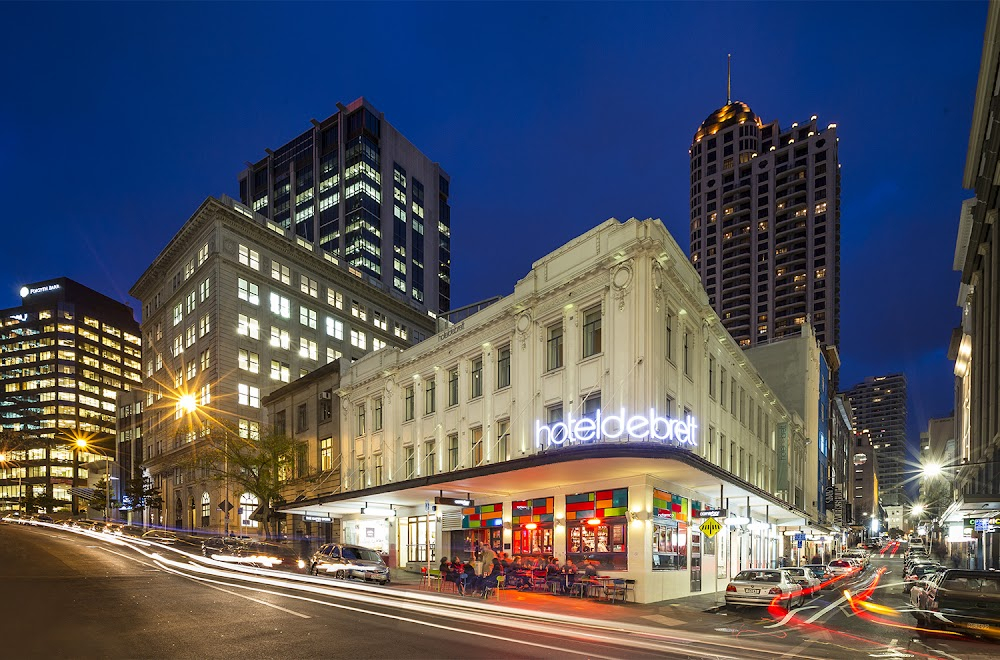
pixel 710 527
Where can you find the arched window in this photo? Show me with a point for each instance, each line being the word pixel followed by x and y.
pixel 206 510
pixel 178 513
pixel 248 504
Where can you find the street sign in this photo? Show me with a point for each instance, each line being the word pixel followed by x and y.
pixel 800 536
pixel 710 527
pixel 226 506
pixel 800 544
pixel 427 506
pixel 712 513
pixel 322 519
pixel 452 501
pixel 831 495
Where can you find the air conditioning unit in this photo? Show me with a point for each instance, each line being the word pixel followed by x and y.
pixel 326 394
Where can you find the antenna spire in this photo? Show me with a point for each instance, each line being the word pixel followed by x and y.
pixel 729 78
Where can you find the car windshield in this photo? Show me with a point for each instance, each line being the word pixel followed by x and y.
pixel 361 554
pixel 840 562
pixel 984 585
pixel 758 576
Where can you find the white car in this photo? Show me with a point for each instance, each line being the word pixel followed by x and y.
pixel 804 577
pixel 840 567
pixel 763 587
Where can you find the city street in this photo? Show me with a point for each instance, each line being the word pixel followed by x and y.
pixel 130 599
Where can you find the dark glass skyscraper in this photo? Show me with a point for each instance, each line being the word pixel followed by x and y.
pixel 328 190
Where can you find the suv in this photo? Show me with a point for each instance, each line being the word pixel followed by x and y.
pixel 349 561
pixel 963 599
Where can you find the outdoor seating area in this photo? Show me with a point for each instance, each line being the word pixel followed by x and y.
pixel 543 576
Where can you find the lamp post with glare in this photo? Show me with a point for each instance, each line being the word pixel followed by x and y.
pixel 81 443
pixel 6 462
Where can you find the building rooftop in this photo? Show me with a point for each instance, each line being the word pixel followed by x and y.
pixel 736 112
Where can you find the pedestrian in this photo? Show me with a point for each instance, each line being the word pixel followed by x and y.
pixel 816 559
pixel 486 557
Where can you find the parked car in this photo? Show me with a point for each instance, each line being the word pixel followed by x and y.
pixel 244 550
pixel 860 555
pixel 962 599
pixel 349 561
pixel 820 571
pixel 918 561
pixel 919 572
pixel 917 589
pixel 839 567
pixel 161 536
pixel 805 578
pixel 763 587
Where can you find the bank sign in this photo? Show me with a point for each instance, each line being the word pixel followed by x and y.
pixel 615 427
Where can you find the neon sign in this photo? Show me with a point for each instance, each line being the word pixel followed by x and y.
pixel 612 427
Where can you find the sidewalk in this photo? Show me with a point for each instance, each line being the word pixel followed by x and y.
pixel 669 613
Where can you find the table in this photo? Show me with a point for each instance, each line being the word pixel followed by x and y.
pixel 601 581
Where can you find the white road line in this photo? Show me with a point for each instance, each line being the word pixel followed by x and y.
pixel 588 654
pixel 204 582
pixel 788 615
pixel 121 554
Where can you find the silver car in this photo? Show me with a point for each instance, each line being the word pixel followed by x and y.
pixel 805 578
pixel 349 561
pixel 763 587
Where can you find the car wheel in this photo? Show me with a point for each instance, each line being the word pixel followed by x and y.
pixel 313 570
pixel 340 575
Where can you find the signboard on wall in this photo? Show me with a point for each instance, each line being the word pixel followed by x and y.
pixel 782 479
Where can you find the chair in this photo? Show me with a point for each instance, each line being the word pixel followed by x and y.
pixel 614 589
pixel 539 580
pixel 429 578
pixel 494 590
pixel 629 589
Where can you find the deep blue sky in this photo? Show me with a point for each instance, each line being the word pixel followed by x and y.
pixel 117 120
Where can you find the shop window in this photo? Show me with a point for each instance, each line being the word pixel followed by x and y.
pixel 532 523
pixel 597 527
pixel 669 546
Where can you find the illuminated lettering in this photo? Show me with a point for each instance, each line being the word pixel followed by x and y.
pixel 615 426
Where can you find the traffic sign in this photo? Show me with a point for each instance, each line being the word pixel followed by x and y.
pixel 710 527
pixel 712 513
pixel 800 536
pixel 800 543
pixel 226 506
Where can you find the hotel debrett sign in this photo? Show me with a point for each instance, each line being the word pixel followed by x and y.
pixel 613 427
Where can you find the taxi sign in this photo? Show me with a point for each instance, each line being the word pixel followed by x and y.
pixel 710 527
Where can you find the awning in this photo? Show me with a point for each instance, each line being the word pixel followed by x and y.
pixel 557 469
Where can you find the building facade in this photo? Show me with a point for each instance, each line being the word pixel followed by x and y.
pixel 879 408
pixel 329 189
pixel 841 465
pixel 598 411
pixel 66 352
pixel 976 349
pixel 765 224
pixel 231 311
pixel 866 489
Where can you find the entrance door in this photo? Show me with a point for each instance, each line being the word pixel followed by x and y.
pixel 695 562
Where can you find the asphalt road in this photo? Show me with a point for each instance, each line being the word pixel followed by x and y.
pixel 67 595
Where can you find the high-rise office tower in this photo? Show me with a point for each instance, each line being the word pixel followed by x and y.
pixel 879 408
pixel 765 224
pixel 329 189
pixel 67 351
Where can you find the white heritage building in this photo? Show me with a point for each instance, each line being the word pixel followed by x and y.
pixel 599 411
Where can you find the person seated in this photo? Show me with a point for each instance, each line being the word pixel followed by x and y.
pixel 491 579
pixel 444 566
pixel 590 567
pixel 467 578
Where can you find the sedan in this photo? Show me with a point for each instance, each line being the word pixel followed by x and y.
pixel 349 561
pixel 763 587
pixel 805 578
pixel 839 567
pixel 920 572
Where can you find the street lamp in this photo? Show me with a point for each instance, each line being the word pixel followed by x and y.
pixel 82 444
pixel 4 459
pixel 189 404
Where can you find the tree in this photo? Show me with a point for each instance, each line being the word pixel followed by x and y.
pixel 895 532
pixel 140 493
pixel 251 464
pixel 100 499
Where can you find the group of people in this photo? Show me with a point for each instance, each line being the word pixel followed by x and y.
pixel 517 572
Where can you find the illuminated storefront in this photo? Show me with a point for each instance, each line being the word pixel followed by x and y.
pixel 532 524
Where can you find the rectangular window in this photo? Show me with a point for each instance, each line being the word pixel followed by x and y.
pixel 410 461
pixel 248 291
pixel 711 376
pixel 249 257
pixel 249 361
pixel 308 349
pixel 360 419
pixel 308 286
pixel 359 339
pixel 326 454
pixel 204 325
pixel 302 418
pixel 503 367
pixel 429 458
pixel 307 317
pixel 453 451
pixel 334 298
pixel 477 378
pixel 377 414
pixel 281 273
pixel 723 380
pixel 453 386
pixel 334 328
pixel 554 413
pixel 429 396
pixel 554 347
pixel 280 306
pixel 670 336
pixel 206 359
pixel 687 354
pixel 204 290
pixel 592 332
pixel 280 338
pixel 503 440
pixel 248 327
pixel 280 371
pixel 408 403
pixel 478 455
pixel 178 313
pixel 249 395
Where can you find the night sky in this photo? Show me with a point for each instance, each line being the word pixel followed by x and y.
pixel 117 120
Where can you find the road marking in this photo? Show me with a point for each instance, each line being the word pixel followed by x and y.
pixel 120 554
pixel 588 654
pixel 891 652
pixel 788 615
pixel 233 593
